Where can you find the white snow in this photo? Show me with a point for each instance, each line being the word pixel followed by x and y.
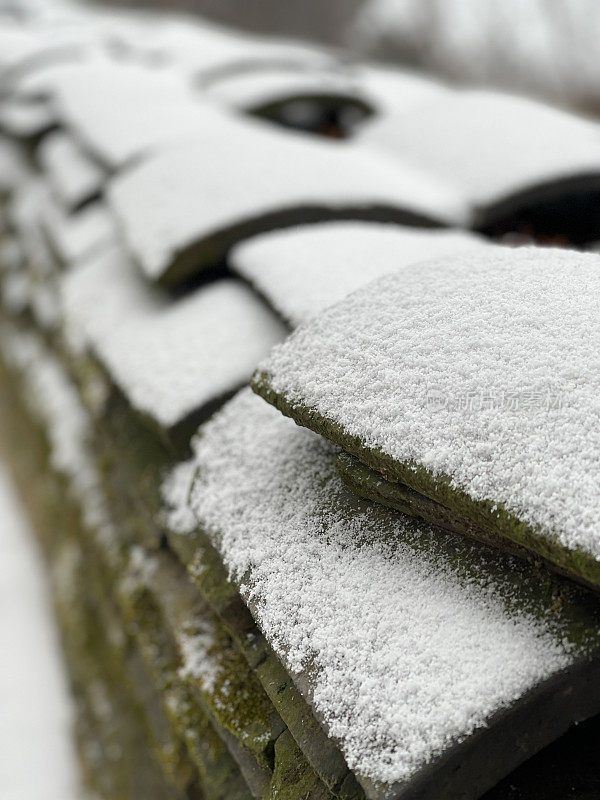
pixel 72 176
pixel 120 110
pixel 303 270
pixel 21 118
pixel 489 145
pixel 77 236
pixel 53 400
pixel 235 171
pixel 403 653
pixel 204 51
pixel 392 89
pixel 37 756
pixel 177 487
pixel 484 368
pixel 25 46
pixel 169 357
pixel 13 168
pixel 185 614
pixel 24 213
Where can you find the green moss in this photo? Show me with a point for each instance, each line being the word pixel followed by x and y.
pixel 124 736
pixel 293 778
pixel 83 571
pixel 169 602
pixel 208 573
pixel 494 522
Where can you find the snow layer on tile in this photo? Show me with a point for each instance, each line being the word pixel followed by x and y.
pixel 391 89
pixel 489 145
pixel 24 213
pixel 13 167
pixel 258 88
pixel 77 236
pixel 51 398
pixel 39 84
pixel 54 401
pixel 170 357
pixel 120 109
pixel 38 757
pixel 25 119
pixel 71 174
pixel 177 487
pixel 185 613
pixel 234 171
pixel 303 270
pixel 203 49
pixel 481 368
pixel 405 654
pixel 26 45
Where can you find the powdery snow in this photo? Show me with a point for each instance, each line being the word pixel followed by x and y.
pixel 236 171
pixel 303 270
pixel 489 145
pixel 403 652
pixel 169 357
pixel 484 368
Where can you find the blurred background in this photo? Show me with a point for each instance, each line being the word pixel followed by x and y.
pixel 545 48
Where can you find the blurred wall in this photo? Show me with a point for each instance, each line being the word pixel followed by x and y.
pixel 324 20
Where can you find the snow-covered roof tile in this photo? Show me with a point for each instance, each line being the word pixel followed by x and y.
pixel 183 208
pixel 493 148
pixel 74 178
pixel 24 213
pixel 25 47
pixel 417 651
pixel 202 48
pixel 13 166
pixel 55 402
pixel 392 90
pixel 75 237
pixel 302 270
pixel 118 109
pixel 473 380
pixel 25 120
pixel 171 358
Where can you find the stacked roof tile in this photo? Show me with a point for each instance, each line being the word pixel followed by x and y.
pixel 372 603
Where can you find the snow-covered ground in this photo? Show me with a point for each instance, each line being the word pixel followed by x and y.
pixel 37 758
